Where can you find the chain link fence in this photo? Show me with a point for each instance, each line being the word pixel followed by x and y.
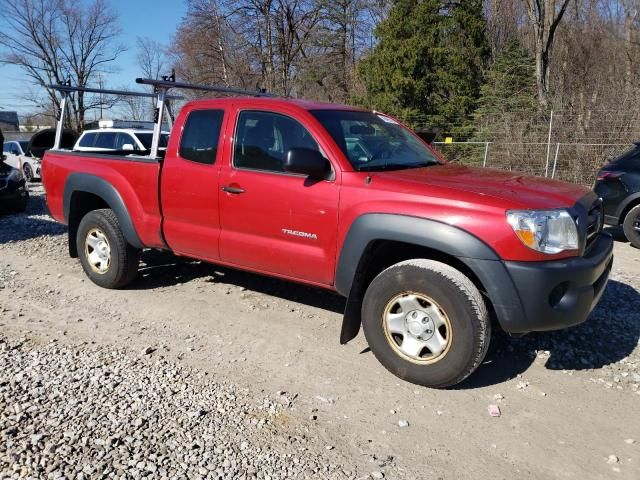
pixel 571 162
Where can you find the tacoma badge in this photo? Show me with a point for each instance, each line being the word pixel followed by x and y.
pixel 295 233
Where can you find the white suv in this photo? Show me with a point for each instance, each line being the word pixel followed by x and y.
pixel 118 140
pixel 18 156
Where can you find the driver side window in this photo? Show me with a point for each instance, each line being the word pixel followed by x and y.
pixel 263 139
pixel 124 139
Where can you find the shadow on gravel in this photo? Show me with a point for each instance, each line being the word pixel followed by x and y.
pixel 15 227
pixel 163 269
pixel 610 334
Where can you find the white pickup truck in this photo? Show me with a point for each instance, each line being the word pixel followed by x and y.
pixel 118 139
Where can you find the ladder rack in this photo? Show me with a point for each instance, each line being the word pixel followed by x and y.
pixel 162 86
pixel 167 83
pixel 163 101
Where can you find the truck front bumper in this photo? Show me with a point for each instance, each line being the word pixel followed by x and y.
pixel 540 296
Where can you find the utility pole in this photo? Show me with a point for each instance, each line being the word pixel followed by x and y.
pixel 101 85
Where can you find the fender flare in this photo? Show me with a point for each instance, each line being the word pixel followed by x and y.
pixel 83 182
pixel 481 259
pixel 623 206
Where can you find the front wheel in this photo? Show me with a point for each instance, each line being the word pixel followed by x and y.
pixel 106 257
pixel 426 322
pixel 631 226
pixel 28 172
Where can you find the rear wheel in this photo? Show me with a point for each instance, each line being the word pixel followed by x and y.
pixel 426 322
pixel 106 257
pixel 631 226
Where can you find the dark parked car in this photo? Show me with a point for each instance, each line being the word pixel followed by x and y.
pixel 619 186
pixel 13 192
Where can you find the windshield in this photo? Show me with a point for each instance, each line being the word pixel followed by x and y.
pixel 146 138
pixel 373 141
pixel 25 147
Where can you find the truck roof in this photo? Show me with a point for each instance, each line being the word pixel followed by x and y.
pixel 300 103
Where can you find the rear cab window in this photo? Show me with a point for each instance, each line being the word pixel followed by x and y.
pixel 201 135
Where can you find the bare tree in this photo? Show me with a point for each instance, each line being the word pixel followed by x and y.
pixel 151 58
pixel 58 40
pixel 135 108
pixel 504 18
pixel 544 17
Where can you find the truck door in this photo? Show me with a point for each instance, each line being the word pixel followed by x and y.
pixel 189 186
pixel 273 221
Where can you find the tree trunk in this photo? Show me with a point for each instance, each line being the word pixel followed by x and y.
pixel 544 21
pixel 630 16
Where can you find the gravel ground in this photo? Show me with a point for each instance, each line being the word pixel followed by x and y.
pixel 96 412
pixel 202 371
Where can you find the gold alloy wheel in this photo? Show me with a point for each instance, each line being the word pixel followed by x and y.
pixel 97 251
pixel 417 328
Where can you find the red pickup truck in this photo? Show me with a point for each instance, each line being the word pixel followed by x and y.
pixel 430 255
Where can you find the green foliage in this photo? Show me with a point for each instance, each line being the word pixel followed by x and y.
pixel 508 105
pixel 427 65
pixel 511 83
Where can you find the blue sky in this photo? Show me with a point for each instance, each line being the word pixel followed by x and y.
pixel 157 19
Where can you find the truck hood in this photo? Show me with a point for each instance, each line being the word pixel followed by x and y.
pixel 521 191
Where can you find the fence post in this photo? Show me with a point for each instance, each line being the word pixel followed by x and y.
pixel 546 168
pixel 486 154
pixel 555 161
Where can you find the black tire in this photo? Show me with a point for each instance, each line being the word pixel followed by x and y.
pixel 459 305
pixel 631 221
pixel 122 266
pixel 28 172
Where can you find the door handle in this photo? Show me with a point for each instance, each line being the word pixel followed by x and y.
pixel 230 189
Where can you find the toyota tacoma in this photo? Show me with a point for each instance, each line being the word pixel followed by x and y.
pixel 430 255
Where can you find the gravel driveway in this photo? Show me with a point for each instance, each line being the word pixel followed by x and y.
pixel 198 371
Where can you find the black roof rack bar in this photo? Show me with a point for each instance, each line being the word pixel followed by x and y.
pixel 196 86
pixel 70 89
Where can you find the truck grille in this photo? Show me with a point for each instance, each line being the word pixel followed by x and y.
pixel 595 222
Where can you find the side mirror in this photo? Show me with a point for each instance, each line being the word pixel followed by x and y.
pixel 307 162
pixel 127 147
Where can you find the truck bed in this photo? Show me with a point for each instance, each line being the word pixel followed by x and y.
pixel 135 179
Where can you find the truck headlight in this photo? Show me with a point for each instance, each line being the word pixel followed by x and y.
pixel 547 231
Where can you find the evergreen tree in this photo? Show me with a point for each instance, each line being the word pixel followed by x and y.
pixel 510 84
pixel 508 99
pixel 508 107
pixel 427 65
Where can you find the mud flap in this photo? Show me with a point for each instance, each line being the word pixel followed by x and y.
pixel 351 320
